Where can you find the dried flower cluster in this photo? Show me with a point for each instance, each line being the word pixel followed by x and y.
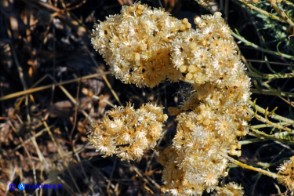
pixel 136 44
pixel 230 189
pixel 286 172
pixel 215 114
pixel 127 132
pixel 145 47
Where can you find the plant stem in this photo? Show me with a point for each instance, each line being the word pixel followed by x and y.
pixel 249 167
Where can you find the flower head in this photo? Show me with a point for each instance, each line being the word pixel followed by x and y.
pixel 136 44
pixel 286 172
pixel 121 132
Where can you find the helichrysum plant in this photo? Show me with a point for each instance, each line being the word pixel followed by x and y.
pixel 145 46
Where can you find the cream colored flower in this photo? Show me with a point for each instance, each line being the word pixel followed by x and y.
pixel 231 189
pixel 145 47
pixel 136 44
pixel 286 172
pixel 121 133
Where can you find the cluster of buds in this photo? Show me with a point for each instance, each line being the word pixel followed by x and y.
pixel 127 132
pixel 230 189
pixel 136 44
pixel 215 114
pixel 145 47
pixel 286 172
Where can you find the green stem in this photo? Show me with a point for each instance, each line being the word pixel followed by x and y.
pixel 283 137
pixel 272 115
pixel 249 167
pixel 261 11
pixel 273 76
pixel 248 43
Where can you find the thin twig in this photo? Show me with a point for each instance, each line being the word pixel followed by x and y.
pixel 248 43
pixel 261 11
pixel 249 167
pixel 272 115
pixel 37 89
